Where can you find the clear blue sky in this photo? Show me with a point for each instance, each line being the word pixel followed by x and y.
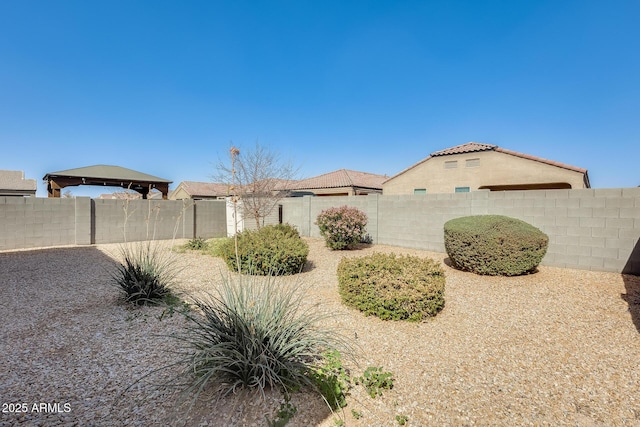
pixel 164 87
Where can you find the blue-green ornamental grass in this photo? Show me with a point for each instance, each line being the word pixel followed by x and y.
pixel 146 274
pixel 254 333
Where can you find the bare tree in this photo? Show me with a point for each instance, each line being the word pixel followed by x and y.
pixel 258 177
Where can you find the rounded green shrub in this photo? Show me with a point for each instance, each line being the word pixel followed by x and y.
pixel 392 287
pixel 494 245
pixel 272 250
pixel 343 227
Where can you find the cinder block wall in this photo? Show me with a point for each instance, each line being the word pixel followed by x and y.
pixel 210 219
pixel 135 220
pixel 29 222
pixel 592 229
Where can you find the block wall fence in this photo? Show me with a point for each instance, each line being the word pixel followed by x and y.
pixel 30 222
pixel 590 229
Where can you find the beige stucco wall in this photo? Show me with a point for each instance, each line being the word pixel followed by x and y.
pixel 179 194
pixel 495 168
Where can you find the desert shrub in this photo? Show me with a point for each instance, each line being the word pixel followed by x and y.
pixel 196 244
pixel 343 227
pixel 272 250
pixel 392 287
pixel 494 245
pixel 146 273
pixel 254 333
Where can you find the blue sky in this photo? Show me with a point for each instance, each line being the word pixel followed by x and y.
pixel 165 87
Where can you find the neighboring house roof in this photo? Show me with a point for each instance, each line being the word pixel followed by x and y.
pixel 471 147
pixel 106 172
pixel 13 183
pixel 123 195
pixel 341 178
pixel 204 189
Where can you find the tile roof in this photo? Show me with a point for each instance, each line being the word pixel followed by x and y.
pixel 205 189
pixel 14 180
pixel 541 160
pixel 341 178
pixel 471 147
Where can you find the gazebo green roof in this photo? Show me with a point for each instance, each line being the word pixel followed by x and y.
pixel 107 172
pixel 106 175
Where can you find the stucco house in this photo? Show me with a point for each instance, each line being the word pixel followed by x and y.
pixel 13 183
pixel 343 182
pixel 199 191
pixel 476 166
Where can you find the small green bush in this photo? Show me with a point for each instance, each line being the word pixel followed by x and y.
pixel 392 287
pixel 146 273
pixel 494 245
pixel 343 227
pixel 196 244
pixel 272 250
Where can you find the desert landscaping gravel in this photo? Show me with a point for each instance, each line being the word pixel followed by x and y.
pixel 559 347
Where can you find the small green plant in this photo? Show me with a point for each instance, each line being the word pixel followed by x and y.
pixel 332 380
pixel 146 274
pixel 283 416
pixel 196 244
pixel 392 287
pixel 174 305
pixel 356 414
pixel 343 227
pixel 374 380
pixel 402 419
pixel 494 245
pixel 254 333
pixel 272 250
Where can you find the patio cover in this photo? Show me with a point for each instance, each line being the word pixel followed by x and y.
pixel 104 175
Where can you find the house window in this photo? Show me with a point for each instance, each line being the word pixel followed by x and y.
pixel 451 164
pixel 419 191
pixel 473 163
pixel 462 189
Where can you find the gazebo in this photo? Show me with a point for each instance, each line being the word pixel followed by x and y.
pixel 104 175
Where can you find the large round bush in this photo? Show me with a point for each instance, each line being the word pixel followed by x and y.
pixel 272 250
pixel 343 227
pixel 392 287
pixel 494 245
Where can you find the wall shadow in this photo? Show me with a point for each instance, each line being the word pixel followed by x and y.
pixel 631 278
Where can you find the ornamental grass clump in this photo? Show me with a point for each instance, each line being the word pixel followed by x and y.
pixel 146 273
pixel 272 250
pixel 343 227
pixel 255 333
pixel 392 287
pixel 494 245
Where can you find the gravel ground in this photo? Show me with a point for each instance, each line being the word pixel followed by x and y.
pixel 558 347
